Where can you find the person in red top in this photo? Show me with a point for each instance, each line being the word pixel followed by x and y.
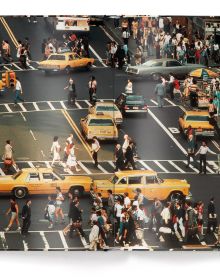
pixel 176 88
pixel 200 210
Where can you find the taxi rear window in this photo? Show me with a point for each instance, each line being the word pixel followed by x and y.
pixel 101 122
pixel 106 108
pixel 197 118
pixel 57 57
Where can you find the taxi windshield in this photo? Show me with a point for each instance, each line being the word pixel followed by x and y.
pixel 106 108
pixel 56 57
pixel 101 122
pixel 114 179
pixel 197 118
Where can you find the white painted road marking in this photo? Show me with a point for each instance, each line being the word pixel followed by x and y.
pixel 177 167
pixel 31 132
pixel 161 166
pixel 23 116
pixel 35 106
pixel 8 108
pixel 99 58
pixel 83 167
pixel 50 105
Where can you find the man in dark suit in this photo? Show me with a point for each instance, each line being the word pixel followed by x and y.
pixel 26 217
pixel 119 158
pixel 75 215
pixel 129 156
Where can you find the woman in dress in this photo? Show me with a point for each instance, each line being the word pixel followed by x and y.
pixel 55 151
pixel 71 160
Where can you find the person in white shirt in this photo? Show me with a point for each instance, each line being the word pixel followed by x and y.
pixel 71 160
pixel 167 38
pixel 95 148
pixel 94 236
pixel 55 151
pixel 203 150
pixel 50 211
pixel 125 36
pixel 18 92
pixel 126 143
pixel 59 203
pixel 129 87
pixel 127 201
pixel 165 214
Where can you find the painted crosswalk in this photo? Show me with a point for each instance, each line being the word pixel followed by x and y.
pixel 108 167
pixel 55 240
pixel 16 66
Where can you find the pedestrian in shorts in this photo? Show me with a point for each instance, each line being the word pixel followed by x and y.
pixel 50 212
pixel 14 214
pixel 59 203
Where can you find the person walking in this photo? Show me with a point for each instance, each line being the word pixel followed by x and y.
pixel 119 158
pixel 59 204
pixel 8 156
pixel 95 148
pixel 160 92
pixel 203 150
pixel 76 217
pixel 72 92
pixel 193 96
pixel 26 217
pixel 129 87
pixel 155 216
pixel 111 203
pixel 129 156
pixel 171 85
pixel 94 236
pixel 18 92
pixel 71 160
pixel 55 151
pixel 92 88
pixel 14 215
pixel 191 144
pixel 50 212
pixel 212 216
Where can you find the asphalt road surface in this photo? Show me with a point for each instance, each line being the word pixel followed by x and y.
pixel 32 125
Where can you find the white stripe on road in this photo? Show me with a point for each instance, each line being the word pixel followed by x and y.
pixel 177 167
pixel 78 106
pixel 2 172
pixel 31 132
pixel 167 132
pixel 63 240
pixel 4 242
pixel 50 105
pixel 111 163
pixel 99 58
pixel 193 168
pixel 209 169
pixel 153 101
pixel 36 106
pixel 8 108
pixel 84 168
pixel 215 144
pixel 47 164
pixel 30 66
pixel 108 35
pixel 63 105
pixel 102 169
pixel 16 66
pixel 22 107
pixel 145 165
pixel 7 68
pixel 25 246
pixel 88 103
pixel 23 116
pixel 169 101
pixel 31 164
pixel 215 166
pixel 161 166
pixel 46 244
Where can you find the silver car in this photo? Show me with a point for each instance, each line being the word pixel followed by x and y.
pixel 156 67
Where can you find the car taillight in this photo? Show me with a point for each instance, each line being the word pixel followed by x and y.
pixel 145 107
pixel 126 107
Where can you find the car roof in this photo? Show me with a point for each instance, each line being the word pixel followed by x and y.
pixel 135 172
pixel 197 113
pixel 94 116
pixel 161 59
pixel 105 103
pixel 37 169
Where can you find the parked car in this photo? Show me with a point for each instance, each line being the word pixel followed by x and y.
pixel 199 120
pixel 154 68
pixel 65 61
pixel 147 180
pixel 131 103
pixel 107 108
pixel 99 125
pixel 30 181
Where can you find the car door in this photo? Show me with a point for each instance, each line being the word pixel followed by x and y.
pixel 135 182
pixel 121 186
pixel 34 183
pixel 50 182
pixel 152 188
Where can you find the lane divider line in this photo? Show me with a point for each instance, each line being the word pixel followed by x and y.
pixel 99 58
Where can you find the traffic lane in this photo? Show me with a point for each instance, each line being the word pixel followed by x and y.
pixel 40 87
pixel 152 142
pixel 14 127
pixel 45 125
pixel 36 32
pixel 107 147
pixel 169 117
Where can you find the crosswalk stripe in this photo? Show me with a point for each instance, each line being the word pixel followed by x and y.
pixel 36 106
pixel 63 240
pixel 78 106
pixel 32 67
pixel 153 101
pixel 46 244
pixel 145 165
pixel 84 168
pixel 63 105
pixel 209 169
pixel 51 106
pixel 111 163
pixel 8 108
pixel 7 68
pixel 193 168
pixel 215 166
pixel 88 103
pixel 31 164
pixel 47 164
pixel 161 166
pixel 102 169
pixel 177 167
pixel 22 107
pixel 16 66
pixel 2 172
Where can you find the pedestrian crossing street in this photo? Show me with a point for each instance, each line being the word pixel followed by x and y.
pixel 16 67
pixel 108 167
pixel 55 240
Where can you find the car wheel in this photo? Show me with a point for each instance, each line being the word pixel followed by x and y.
pixel 88 66
pixel 176 196
pixel 156 77
pixel 68 69
pixel 77 191
pixel 20 192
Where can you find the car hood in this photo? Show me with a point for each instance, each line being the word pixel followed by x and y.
pixel 6 178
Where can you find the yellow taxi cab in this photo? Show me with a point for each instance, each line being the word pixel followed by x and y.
pixel 65 61
pixel 199 120
pixel 109 109
pixel 147 180
pixel 99 125
pixel 30 181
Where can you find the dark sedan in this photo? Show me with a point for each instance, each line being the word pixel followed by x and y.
pixel 154 68
pixel 131 103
